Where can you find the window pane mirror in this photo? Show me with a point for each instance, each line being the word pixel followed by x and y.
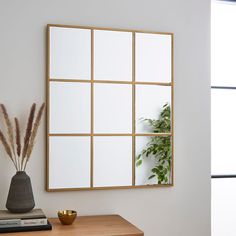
pixel 112 55
pixel 70 53
pixel 153 57
pixel 109 108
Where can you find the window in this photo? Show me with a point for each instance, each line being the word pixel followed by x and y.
pixel 223 105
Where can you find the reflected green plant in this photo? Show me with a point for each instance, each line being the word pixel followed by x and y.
pixel 159 147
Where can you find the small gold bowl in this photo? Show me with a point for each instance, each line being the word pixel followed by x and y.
pixel 67 217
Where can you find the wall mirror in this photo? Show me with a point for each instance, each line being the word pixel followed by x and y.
pixel 110 108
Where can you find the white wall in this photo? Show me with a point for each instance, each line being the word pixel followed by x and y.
pixel 183 210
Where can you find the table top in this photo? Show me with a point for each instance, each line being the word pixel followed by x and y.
pixel 103 225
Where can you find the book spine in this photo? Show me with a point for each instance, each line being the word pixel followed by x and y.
pixel 23 222
pixel 34 222
pixel 27 228
pixel 10 223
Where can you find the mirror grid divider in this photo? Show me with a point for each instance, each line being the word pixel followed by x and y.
pixel 92 110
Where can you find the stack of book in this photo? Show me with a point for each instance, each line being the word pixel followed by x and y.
pixel 31 221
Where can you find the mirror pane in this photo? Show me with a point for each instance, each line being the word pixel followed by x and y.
pixel 223 130
pixel 153 108
pixel 112 161
pixel 112 108
pixel 69 163
pixel 153 160
pixel 112 55
pixel 70 108
pixel 70 53
pixel 153 57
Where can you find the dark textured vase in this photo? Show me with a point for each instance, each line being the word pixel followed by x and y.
pixel 20 197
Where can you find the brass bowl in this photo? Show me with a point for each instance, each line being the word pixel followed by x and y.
pixel 67 217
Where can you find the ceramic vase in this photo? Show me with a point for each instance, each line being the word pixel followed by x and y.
pixel 20 197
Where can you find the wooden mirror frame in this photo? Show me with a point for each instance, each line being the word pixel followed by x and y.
pixel 92 82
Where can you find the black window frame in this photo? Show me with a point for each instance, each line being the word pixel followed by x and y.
pixel 222 176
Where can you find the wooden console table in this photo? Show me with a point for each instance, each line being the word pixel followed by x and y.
pixel 104 225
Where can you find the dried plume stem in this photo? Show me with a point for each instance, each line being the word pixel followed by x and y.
pixel 34 133
pixel 18 140
pixel 7 148
pixel 9 131
pixel 28 134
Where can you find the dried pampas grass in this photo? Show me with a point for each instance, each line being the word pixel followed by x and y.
pixel 28 132
pixel 6 147
pixel 18 140
pixel 9 129
pixel 23 153
pixel 34 133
